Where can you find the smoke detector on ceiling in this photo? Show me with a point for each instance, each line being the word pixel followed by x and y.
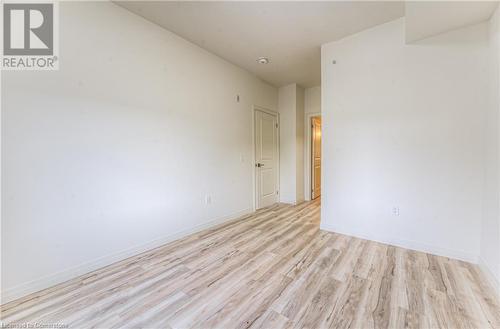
pixel 263 60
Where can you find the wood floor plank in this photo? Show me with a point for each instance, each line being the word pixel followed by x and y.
pixel 271 269
pixel 272 319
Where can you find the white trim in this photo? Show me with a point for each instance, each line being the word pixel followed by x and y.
pixel 254 175
pixel 409 244
pixel 489 274
pixel 292 202
pixel 74 272
pixel 308 155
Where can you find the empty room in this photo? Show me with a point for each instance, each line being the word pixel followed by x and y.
pixel 250 164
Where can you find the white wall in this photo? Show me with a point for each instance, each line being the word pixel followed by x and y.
pixel 312 100
pixel 291 111
pixel 490 237
pixel 115 152
pixel 287 99
pixel 299 145
pixel 403 127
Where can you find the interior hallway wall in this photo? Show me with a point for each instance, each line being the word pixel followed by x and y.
pixel 291 111
pixel 300 144
pixel 116 151
pixel 312 100
pixel 312 105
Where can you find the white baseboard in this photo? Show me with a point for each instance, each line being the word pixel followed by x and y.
pixel 292 202
pixel 490 275
pixel 71 273
pixel 408 244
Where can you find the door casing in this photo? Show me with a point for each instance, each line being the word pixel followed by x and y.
pixel 308 154
pixel 315 122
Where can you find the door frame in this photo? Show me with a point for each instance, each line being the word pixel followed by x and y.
pixel 256 108
pixel 308 155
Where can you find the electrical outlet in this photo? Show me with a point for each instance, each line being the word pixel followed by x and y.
pixel 395 211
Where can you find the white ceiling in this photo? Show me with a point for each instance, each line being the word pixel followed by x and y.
pixel 429 18
pixel 288 33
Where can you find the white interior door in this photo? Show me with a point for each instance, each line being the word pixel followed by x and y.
pixel 266 158
pixel 316 158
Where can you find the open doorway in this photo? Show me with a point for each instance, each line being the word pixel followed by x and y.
pixel 315 157
pixel 312 172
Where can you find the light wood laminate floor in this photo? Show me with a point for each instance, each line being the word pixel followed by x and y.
pixel 271 269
